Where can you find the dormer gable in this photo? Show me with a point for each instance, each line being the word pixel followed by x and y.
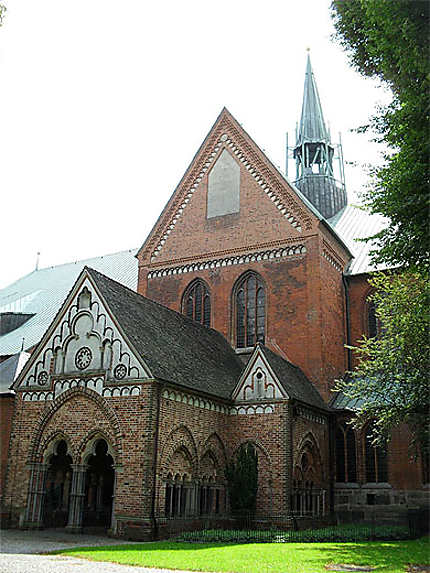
pixel 258 381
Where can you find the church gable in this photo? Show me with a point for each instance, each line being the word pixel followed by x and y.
pixel 258 381
pixel 83 347
pixel 231 199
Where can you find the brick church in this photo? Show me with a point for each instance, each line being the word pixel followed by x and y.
pixel 249 287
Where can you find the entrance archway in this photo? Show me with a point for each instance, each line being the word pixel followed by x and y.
pixel 57 488
pixel 99 487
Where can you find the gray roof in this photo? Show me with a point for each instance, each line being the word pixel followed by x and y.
pixel 355 223
pixel 312 127
pixel 293 380
pixel 175 348
pixel 10 369
pixel 342 402
pixel 43 291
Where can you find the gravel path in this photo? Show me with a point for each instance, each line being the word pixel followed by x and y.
pixel 20 549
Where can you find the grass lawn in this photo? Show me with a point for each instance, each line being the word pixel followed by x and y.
pixel 386 556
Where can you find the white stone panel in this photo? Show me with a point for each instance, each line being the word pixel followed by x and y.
pixel 223 187
pixel 259 384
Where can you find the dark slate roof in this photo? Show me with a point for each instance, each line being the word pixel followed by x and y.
pixel 293 380
pixel 175 348
pixel 312 127
pixel 10 369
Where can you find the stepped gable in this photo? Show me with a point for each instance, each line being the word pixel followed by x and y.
pixel 283 213
pixel 293 380
pixel 175 348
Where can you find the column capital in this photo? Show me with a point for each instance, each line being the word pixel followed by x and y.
pixel 79 467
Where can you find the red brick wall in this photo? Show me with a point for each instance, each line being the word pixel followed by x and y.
pixel 304 308
pixel 359 290
pixel 126 423
pixel 7 404
pixel 305 311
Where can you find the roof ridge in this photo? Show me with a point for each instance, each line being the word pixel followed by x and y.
pixel 84 260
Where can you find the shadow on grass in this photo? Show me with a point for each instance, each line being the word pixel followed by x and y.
pixel 391 555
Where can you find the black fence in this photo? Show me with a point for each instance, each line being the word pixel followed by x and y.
pixel 284 529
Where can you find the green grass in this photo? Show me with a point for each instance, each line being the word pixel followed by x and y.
pixel 386 556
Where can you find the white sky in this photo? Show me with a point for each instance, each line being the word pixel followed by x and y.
pixel 104 104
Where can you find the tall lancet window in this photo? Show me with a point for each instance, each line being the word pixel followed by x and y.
pixel 196 302
pixel 250 310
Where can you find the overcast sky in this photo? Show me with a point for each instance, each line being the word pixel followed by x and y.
pixel 104 104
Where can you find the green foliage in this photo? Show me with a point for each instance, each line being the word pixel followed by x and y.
pixel 391 380
pixel 343 533
pixel 242 479
pixel 2 13
pixel 390 41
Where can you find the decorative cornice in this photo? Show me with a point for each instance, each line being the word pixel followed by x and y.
pixel 310 415
pixel 37 396
pixel 227 136
pixel 195 401
pixel 228 261
pixel 213 406
pixel 254 409
pixel 95 383
pixel 330 258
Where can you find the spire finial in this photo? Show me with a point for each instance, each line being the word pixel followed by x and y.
pixel 37 260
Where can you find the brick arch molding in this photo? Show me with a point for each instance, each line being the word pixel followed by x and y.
pixel 180 437
pixel 35 445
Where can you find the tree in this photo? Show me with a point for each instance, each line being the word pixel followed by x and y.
pixel 389 40
pixel 242 479
pixel 391 380
pixel 2 13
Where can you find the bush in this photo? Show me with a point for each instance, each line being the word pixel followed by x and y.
pixel 343 533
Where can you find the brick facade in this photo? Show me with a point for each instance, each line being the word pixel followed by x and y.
pixel 170 444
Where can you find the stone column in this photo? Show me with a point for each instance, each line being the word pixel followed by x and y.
pixel 77 498
pixel 113 526
pixel 36 496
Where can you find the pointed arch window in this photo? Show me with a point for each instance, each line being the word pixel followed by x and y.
pixel 250 309
pixel 196 302
pixel 376 459
pixel 373 326
pixel 346 455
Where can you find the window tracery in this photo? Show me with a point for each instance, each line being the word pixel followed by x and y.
pixel 346 455
pixel 250 311
pixel 196 302
pixel 376 459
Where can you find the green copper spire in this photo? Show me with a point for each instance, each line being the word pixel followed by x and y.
pixel 314 154
pixel 312 127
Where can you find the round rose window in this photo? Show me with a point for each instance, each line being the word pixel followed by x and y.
pixel 120 371
pixel 42 378
pixel 83 358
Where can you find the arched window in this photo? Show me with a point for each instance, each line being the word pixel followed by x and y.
pixel 196 302
pixel 373 324
pixel 250 309
pixel 376 459
pixel 346 455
